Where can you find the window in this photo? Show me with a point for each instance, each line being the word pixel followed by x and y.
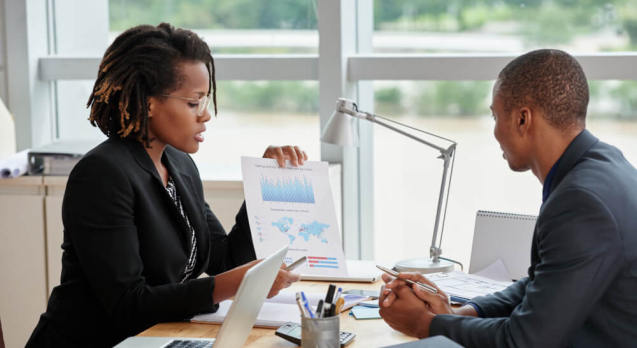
pixel 503 26
pixel 253 115
pixel 270 57
pixel 407 174
pixel 230 26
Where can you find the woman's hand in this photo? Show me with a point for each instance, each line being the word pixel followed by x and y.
pixel 282 153
pixel 227 283
pixel 283 280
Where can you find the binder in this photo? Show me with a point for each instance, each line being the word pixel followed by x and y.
pixel 58 158
pixel 503 236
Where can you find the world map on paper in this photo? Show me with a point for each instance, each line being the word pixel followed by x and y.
pixel 307 231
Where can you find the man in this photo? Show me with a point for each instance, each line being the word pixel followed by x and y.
pixel 582 285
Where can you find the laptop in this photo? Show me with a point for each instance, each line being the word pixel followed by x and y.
pixel 241 316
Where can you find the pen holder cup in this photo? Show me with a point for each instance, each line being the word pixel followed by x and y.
pixel 320 332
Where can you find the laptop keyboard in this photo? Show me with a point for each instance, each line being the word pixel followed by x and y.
pixel 189 344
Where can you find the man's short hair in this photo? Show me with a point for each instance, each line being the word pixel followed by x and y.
pixel 548 79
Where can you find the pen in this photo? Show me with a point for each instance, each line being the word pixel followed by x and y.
pixel 307 305
pixel 319 309
pixel 329 298
pixel 301 308
pixel 339 304
pixel 326 309
pixel 296 264
pixel 338 295
pixel 394 274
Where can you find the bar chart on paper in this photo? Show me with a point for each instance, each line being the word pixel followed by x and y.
pixel 287 190
pixel 293 205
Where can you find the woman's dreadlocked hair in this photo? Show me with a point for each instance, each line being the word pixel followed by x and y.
pixel 143 62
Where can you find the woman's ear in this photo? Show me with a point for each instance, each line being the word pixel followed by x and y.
pixel 151 106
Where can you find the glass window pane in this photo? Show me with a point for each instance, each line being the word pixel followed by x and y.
pixel 407 174
pixel 254 115
pixel 229 26
pixel 251 116
pixel 461 26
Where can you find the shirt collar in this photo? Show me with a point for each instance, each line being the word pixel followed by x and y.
pixel 546 189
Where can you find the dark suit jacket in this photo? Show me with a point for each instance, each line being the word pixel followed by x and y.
pixel 126 246
pixel 582 284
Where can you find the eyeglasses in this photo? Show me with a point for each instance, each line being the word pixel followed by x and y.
pixel 202 105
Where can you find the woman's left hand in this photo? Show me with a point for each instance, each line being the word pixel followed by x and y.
pixel 282 153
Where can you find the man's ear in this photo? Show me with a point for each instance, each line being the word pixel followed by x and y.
pixel 524 119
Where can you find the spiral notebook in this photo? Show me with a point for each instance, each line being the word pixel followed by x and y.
pixel 502 236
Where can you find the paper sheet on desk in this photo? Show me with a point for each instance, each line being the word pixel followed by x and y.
pixel 276 311
pixel 495 271
pixel 465 285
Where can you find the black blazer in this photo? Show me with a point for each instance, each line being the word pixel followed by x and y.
pixel 582 285
pixel 126 246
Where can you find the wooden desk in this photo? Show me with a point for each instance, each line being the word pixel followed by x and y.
pixel 369 333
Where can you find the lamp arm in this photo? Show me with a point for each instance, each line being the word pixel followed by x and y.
pixel 374 118
pixel 436 251
pixel 446 155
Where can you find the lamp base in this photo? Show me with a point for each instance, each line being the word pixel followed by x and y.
pixel 424 265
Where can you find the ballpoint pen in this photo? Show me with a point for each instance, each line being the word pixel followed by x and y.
pixel 338 295
pixel 319 309
pixel 307 305
pixel 394 274
pixel 299 302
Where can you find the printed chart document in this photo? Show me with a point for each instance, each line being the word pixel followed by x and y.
pixel 294 205
pixel 466 286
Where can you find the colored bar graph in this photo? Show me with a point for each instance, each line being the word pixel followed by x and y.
pixel 323 262
pixel 288 190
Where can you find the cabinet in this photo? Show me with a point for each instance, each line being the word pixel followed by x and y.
pixel 23 275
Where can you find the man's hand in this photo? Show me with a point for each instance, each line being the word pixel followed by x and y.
pixel 283 280
pixel 438 303
pixel 282 153
pixel 404 311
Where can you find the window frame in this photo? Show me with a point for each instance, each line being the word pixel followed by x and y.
pixel 344 67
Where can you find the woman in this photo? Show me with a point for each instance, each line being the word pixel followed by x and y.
pixel 137 231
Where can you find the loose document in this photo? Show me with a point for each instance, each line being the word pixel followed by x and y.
pixel 294 205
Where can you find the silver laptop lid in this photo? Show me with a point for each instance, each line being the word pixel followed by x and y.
pixel 247 303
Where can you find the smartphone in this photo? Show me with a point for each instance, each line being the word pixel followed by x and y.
pixel 374 294
pixel 292 333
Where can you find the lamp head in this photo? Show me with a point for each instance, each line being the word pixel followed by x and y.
pixel 341 128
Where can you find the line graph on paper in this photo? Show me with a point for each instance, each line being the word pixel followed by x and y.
pixel 287 190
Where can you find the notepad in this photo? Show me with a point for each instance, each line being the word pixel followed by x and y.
pixel 502 236
pixel 271 315
pixel 362 312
